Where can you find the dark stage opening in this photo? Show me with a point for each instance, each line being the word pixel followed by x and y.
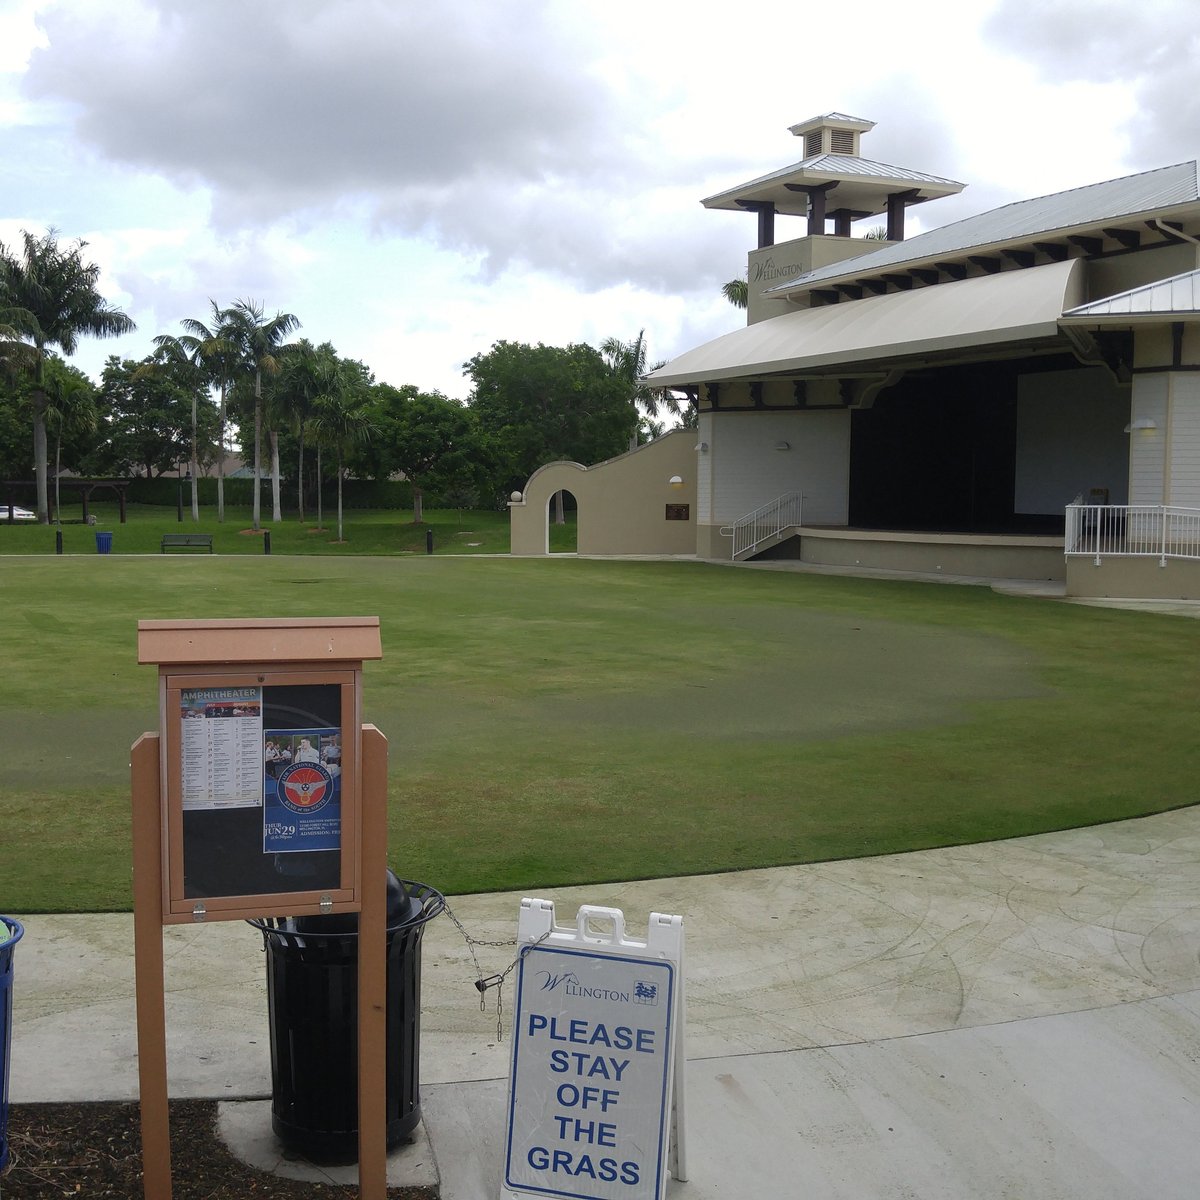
pixel 937 453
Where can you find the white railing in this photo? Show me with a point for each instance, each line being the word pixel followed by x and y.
pixel 1160 531
pixel 766 522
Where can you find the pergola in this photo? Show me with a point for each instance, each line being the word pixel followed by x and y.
pixel 83 486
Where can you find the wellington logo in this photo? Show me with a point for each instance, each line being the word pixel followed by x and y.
pixel 550 982
pixel 569 982
pixel 305 787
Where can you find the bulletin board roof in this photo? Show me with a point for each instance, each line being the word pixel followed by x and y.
pixel 260 640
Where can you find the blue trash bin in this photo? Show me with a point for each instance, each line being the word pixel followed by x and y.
pixel 103 543
pixel 10 934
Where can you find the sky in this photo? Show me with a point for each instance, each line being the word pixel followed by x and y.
pixel 416 181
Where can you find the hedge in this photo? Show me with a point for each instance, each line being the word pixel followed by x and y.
pixel 356 493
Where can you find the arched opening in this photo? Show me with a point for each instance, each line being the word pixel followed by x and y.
pixel 562 523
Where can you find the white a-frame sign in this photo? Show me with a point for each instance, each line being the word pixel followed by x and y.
pixel 596 1088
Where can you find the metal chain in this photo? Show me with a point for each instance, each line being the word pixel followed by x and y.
pixel 483 983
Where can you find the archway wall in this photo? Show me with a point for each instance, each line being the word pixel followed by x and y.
pixel 622 502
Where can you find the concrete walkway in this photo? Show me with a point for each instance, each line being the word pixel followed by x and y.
pixel 1016 1019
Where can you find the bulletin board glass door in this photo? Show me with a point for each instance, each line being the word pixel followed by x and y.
pixel 261 780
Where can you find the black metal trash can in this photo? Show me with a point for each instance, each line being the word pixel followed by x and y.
pixel 312 996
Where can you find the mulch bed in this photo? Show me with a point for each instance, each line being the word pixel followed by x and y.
pixel 94 1150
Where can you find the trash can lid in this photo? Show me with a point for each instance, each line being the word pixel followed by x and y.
pixel 402 909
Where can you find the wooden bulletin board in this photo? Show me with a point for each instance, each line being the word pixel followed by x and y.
pixel 261 766
pixel 262 794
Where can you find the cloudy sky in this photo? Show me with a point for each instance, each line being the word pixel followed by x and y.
pixel 416 181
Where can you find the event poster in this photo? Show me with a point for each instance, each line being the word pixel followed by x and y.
pixel 222 747
pixel 302 790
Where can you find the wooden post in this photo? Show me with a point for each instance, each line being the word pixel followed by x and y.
pixel 148 968
pixel 372 971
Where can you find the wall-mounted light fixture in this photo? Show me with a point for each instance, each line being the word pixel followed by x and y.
pixel 1141 423
pixel 676 481
pixel 783 445
pixel 702 447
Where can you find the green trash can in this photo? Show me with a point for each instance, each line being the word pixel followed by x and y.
pixel 11 933
pixel 103 543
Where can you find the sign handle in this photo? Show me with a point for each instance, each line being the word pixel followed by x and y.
pixel 589 931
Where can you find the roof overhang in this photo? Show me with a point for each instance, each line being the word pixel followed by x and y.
pixel 1018 306
pixel 855 183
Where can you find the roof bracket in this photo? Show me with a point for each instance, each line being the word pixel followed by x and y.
pixel 861 393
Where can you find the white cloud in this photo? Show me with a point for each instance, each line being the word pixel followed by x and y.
pixel 416 182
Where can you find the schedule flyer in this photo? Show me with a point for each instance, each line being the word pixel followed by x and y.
pixel 222 748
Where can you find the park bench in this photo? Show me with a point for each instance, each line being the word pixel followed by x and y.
pixel 186 541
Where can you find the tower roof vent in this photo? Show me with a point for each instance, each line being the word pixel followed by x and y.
pixel 832 133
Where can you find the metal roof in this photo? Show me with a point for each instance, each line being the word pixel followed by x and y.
pixel 1020 222
pixel 826 168
pixel 1177 296
pixel 832 118
pixel 967 315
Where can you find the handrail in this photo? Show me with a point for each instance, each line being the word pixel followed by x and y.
pixel 1159 531
pixel 766 522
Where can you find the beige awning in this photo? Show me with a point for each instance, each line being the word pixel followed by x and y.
pixel 1013 306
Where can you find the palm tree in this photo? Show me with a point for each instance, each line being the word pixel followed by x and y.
pixel 627 361
pixel 258 343
pixel 72 408
pixel 342 415
pixel 737 292
pixel 215 356
pixel 49 296
pixel 183 357
pixel 296 387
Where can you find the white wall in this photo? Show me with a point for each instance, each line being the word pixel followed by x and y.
pixel 747 471
pixel 704 436
pixel 1185 439
pixel 1070 439
pixel 1147 446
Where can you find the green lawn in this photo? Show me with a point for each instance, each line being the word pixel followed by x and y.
pixel 565 721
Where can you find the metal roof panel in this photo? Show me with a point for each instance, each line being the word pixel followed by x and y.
pixel 1178 295
pixel 1020 222
pixel 821 168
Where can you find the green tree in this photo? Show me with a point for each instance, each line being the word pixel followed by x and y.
pixel 425 435
pixel 215 358
pixel 342 416
pixel 182 361
pixel 258 343
pixel 535 404
pixel 71 418
pixel 737 292
pixel 50 298
pixel 71 413
pixel 149 418
pixel 304 370
pixel 627 362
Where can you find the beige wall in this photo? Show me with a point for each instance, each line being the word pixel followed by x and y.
pixel 622 502
pixel 776 264
pixel 945 554
pixel 1134 578
pixel 1121 272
